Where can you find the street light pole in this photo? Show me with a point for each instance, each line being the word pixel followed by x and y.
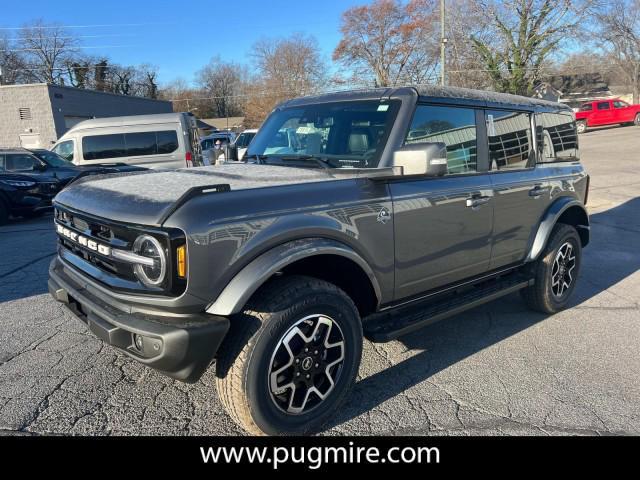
pixel 443 44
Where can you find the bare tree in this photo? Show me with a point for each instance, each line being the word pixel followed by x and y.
pixel 521 36
pixel 391 41
pixel 620 29
pixel 11 63
pixel 285 68
pixel 223 84
pixel 46 50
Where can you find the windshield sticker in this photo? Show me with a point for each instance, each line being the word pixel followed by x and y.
pixel 383 108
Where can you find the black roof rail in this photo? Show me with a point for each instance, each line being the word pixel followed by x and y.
pixel 190 194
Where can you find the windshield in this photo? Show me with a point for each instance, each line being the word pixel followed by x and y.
pixel 345 134
pixel 244 139
pixel 52 159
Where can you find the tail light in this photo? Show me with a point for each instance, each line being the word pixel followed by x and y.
pixel 189 159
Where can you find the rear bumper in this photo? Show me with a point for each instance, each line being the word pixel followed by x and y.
pixel 180 347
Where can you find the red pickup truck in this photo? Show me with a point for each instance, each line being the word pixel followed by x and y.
pixel 606 112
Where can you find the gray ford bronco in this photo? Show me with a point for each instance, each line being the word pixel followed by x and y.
pixel 357 214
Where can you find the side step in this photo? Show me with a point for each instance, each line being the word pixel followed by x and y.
pixel 389 325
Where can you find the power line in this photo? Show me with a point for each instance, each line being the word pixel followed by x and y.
pixel 104 25
pixel 69 48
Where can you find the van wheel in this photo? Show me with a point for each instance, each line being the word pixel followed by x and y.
pixel 581 126
pixel 290 358
pixel 556 271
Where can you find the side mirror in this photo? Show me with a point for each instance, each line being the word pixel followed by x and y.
pixel 429 159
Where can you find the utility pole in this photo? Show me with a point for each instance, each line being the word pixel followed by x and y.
pixel 443 45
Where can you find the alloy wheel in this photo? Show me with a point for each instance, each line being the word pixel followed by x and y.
pixel 306 364
pixel 562 271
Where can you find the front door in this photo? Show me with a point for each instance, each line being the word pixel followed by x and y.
pixel 443 226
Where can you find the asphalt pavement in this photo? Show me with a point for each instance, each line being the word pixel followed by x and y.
pixel 497 369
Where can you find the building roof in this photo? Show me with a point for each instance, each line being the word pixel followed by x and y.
pixel 224 122
pixel 87 90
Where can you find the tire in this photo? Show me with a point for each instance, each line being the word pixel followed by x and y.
pixel 4 213
pixel 547 295
pixel 581 126
pixel 254 349
pixel 636 121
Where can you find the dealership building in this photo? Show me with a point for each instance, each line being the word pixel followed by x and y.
pixel 36 115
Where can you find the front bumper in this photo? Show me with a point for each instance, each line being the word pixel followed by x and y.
pixel 181 347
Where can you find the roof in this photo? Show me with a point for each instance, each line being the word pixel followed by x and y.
pixel 429 92
pixel 128 120
pixel 223 122
pixel 84 90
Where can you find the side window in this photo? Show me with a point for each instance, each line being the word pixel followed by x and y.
pixel 65 150
pixel 167 141
pixel 14 163
pixel 100 147
pixel 620 104
pixel 603 106
pixel 587 107
pixel 142 143
pixel 557 137
pixel 510 140
pixel 455 127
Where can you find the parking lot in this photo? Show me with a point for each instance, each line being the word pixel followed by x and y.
pixel 498 369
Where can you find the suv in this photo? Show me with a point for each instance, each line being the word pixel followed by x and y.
pixel 26 190
pixel 368 213
pixel 606 112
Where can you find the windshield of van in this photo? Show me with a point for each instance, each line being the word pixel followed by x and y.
pixel 341 134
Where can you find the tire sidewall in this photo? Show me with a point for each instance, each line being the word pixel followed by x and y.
pixel 568 234
pixel 266 415
pixel 581 126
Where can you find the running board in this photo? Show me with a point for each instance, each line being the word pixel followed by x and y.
pixel 389 325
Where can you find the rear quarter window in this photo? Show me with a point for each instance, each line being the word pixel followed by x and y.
pixel 556 136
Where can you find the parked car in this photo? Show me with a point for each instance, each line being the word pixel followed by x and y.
pixel 26 189
pixel 606 112
pixel 166 140
pixel 374 213
pixel 242 142
pixel 225 137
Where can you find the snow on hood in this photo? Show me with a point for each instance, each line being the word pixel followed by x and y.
pixel 143 197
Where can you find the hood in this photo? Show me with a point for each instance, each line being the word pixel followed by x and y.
pixel 146 197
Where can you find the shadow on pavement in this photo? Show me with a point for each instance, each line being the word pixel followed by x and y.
pixel 610 257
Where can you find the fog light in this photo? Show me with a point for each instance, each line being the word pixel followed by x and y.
pixel 137 341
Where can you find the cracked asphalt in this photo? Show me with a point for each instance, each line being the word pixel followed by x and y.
pixel 498 369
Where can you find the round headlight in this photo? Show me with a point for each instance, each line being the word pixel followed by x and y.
pixel 149 247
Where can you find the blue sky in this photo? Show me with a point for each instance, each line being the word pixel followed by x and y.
pixel 180 36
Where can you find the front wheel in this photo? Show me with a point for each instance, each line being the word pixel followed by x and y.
pixel 290 358
pixel 636 121
pixel 581 126
pixel 556 271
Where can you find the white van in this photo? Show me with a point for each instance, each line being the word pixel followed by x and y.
pixel 165 140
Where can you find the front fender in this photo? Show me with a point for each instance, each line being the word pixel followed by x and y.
pixel 551 217
pixel 238 291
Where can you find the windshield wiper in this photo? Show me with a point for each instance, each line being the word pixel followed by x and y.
pixel 322 161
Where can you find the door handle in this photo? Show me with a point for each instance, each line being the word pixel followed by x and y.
pixel 538 191
pixel 475 202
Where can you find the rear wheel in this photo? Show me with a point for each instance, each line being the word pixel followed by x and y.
pixel 636 121
pixel 290 358
pixel 581 126
pixel 556 271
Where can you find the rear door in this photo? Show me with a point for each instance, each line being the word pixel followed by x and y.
pixel 603 114
pixel 522 194
pixel 443 225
